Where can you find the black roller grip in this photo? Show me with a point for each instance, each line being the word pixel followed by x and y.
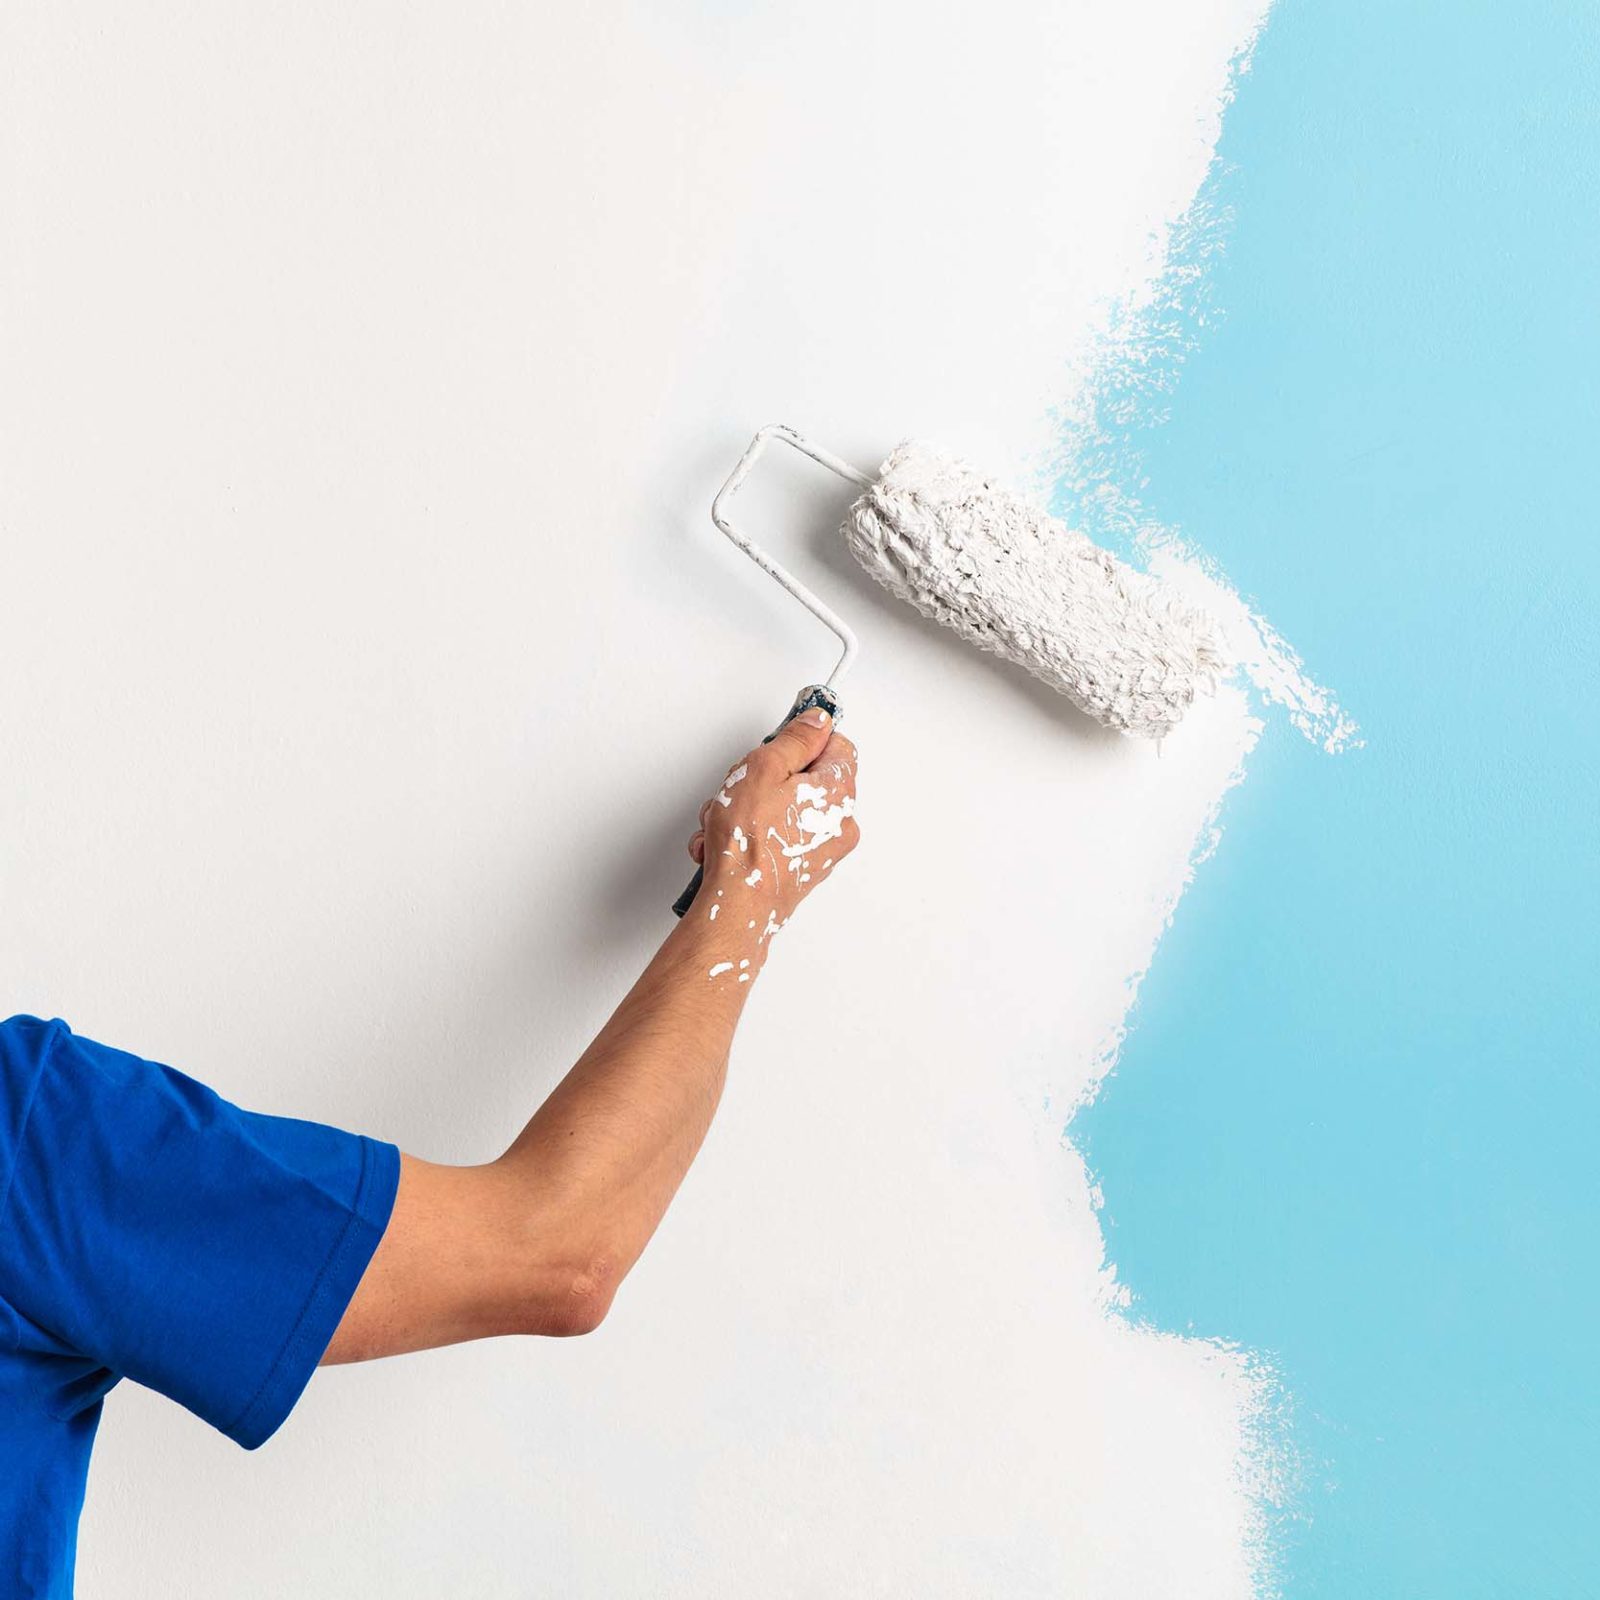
pixel 814 694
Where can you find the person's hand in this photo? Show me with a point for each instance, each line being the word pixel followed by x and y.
pixel 779 824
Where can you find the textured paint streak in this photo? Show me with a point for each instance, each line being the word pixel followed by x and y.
pixel 1138 359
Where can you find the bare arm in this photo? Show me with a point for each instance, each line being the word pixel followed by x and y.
pixel 539 1240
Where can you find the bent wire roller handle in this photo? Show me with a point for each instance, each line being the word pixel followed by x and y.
pixel 814 694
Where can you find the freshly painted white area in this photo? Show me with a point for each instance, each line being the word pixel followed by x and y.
pixel 365 374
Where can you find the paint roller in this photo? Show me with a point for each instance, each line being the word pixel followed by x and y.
pixel 1007 576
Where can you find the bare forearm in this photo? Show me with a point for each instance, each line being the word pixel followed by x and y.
pixel 537 1241
pixel 612 1143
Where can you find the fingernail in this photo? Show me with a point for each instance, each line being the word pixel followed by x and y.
pixel 822 717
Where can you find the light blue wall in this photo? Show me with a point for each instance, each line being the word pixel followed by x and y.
pixel 1356 1123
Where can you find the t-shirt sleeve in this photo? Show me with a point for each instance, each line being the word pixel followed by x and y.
pixel 204 1251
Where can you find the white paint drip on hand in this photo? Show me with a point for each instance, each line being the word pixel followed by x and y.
pixel 818 823
pixel 741 841
pixel 712 917
pixel 753 879
pixel 736 776
pixel 720 967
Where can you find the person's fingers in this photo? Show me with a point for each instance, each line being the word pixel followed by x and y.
pixel 705 811
pixel 836 761
pixel 798 743
pixel 697 848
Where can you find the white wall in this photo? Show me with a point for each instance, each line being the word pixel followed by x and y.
pixel 366 373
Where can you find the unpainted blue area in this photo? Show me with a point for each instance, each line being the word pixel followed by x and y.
pixel 1355 1125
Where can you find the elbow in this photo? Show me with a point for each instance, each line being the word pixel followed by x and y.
pixel 570 1300
pixel 579 1306
pixel 561 1261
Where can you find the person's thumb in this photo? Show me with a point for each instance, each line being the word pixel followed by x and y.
pixel 799 742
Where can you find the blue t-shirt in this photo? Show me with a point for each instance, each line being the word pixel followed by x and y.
pixel 150 1230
